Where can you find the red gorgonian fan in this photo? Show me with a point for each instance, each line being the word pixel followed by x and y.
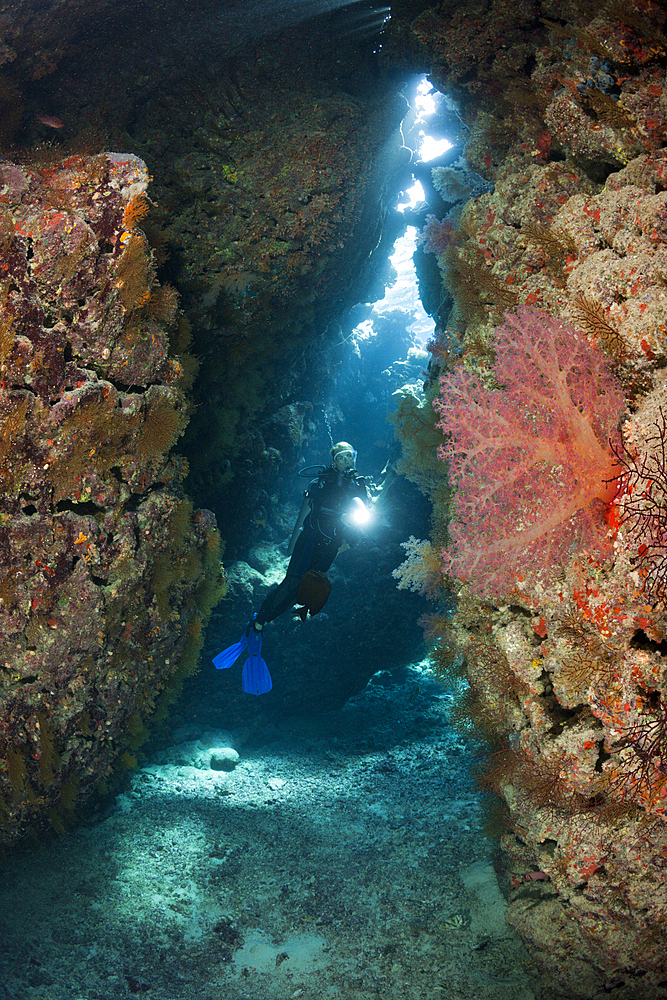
pixel 642 504
pixel 642 774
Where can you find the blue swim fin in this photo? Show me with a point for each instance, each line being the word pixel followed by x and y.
pixel 228 656
pixel 255 678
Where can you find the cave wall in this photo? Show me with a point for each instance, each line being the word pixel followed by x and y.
pixel 108 572
pixel 134 305
pixel 561 618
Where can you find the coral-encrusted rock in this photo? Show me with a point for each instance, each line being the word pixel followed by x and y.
pixel 570 669
pixel 105 570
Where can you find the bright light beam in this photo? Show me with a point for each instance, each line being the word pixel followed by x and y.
pixel 431 149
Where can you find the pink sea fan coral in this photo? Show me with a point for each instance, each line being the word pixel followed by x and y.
pixel 530 458
pixel 437 235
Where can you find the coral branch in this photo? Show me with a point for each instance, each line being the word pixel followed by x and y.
pixel 642 488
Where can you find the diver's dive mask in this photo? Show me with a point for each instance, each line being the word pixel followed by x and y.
pixel 345 459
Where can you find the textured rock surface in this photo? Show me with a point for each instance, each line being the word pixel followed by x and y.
pixel 571 130
pixel 271 176
pixel 107 570
pixel 281 199
pixel 567 668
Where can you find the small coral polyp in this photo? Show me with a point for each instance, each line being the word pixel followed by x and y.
pixel 91 629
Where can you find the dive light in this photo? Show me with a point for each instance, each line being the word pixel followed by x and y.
pixel 358 514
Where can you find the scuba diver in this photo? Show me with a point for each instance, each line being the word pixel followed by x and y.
pixel 334 508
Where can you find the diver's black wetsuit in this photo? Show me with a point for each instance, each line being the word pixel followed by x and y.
pixel 322 535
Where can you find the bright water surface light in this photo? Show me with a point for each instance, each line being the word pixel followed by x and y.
pixel 424 101
pixel 430 148
pixel 404 293
pixel 425 106
pixel 415 196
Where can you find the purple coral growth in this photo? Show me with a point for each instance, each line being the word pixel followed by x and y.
pixel 437 235
pixel 531 460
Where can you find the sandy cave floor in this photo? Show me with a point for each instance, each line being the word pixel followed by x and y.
pixel 340 858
